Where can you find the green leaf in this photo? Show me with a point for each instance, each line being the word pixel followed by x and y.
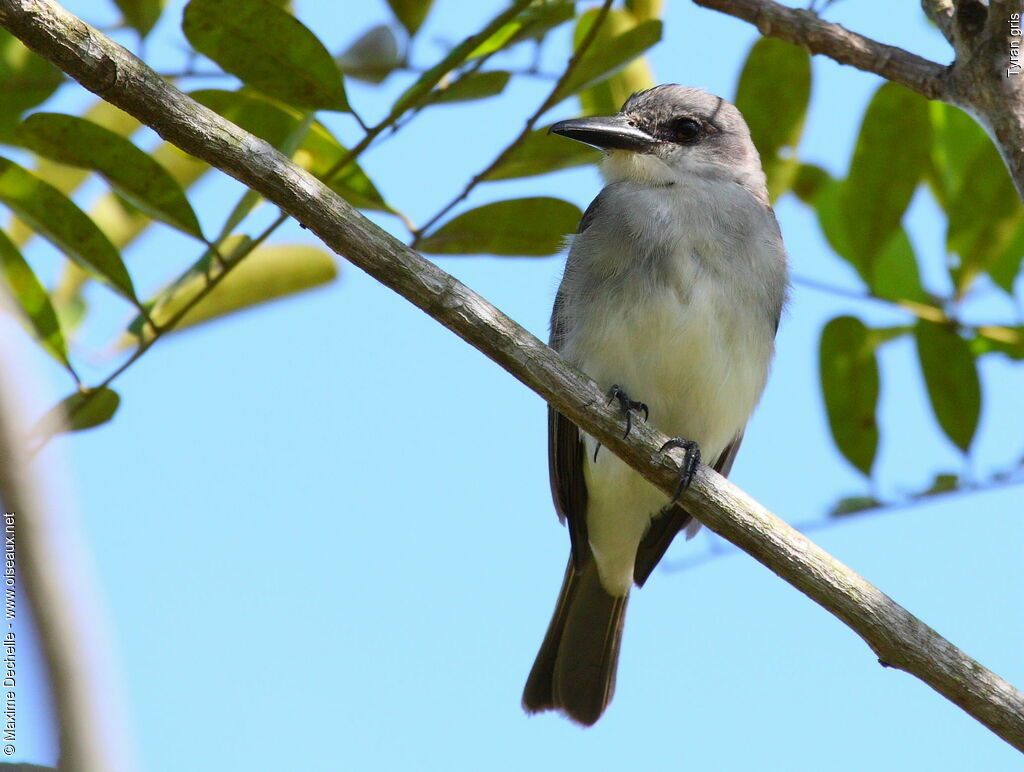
pixel 608 95
pixel 210 264
pixel 267 48
pixel 828 206
pixel 82 410
pixel 890 158
pixel 269 121
pixel 985 215
pixel 533 23
pixel 894 274
pixel 609 55
pixel 56 217
pixel 808 181
pixel 944 482
pixel 266 274
pixel 951 375
pixel 26 80
pixel 124 223
pixel 67 179
pixel 413 96
pixel 773 93
pixel 522 226
pixel 71 312
pixel 541 153
pixel 472 85
pixel 318 152
pixel 372 57
pixel 411 13
pixel 853 505
pixel 1006 267
pixel 141 15
pixel 850 384
pixel 538 20
pixel 957 139
pixel 33 299
pixel 131 172
pixel 644 9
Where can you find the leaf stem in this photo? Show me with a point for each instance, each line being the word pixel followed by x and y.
pixel 552 98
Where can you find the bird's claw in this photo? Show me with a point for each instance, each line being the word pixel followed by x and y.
pixel 689 466
pixel 627 406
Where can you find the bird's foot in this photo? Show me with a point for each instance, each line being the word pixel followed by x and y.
pixel 627 406
pixel 689 466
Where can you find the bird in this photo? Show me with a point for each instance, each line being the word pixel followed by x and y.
pixel 671 296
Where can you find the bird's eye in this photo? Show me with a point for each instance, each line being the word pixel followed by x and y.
pixel 686 129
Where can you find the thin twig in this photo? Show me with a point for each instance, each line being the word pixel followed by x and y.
pixel 928 312
pixel 720 548
pixel 529 72
pixel 419 92
pixel 931 313
pixel 160 331
pixel 552 98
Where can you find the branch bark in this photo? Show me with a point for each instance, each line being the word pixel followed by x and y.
pixel 940 12
pixel 898 638
pixel 981 81
pixel 807 29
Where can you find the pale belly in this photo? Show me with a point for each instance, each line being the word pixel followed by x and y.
pixel 700 368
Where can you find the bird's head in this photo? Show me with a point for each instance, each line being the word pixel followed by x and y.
pixel 670 134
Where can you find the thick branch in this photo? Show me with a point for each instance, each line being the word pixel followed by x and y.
pixel 940 12
pixel 897 637
pixel 986 80
pixel 804 28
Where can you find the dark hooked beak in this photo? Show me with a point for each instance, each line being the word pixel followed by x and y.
pixel 609 133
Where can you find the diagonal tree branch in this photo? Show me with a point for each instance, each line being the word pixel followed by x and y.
pixel 898 638
pixel 985 80
pixel 807 29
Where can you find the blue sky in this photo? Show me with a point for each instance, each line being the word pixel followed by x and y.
pixel 321 534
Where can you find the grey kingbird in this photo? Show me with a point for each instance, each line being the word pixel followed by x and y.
pixel 671 296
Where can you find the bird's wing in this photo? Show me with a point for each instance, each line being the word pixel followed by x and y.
pixel 568 488
pixel 565 442
pixel 724 463
pixel 664 528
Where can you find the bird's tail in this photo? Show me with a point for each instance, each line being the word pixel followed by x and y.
pixel 575 669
